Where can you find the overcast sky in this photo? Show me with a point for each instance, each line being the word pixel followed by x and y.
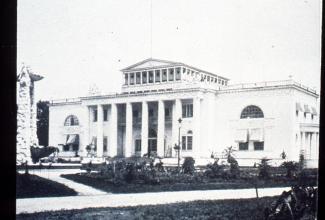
pixel 75 44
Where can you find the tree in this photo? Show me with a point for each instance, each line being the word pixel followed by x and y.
pixel 43 122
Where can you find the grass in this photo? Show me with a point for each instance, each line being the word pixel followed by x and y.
pixel 102 183
pixel 243 209
pixel 32 186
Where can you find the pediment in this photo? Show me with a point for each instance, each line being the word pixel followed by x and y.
pixel 149 63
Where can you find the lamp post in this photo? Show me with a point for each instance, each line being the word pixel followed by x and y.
pixel 179 141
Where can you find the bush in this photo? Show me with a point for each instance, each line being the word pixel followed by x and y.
pixel 291 168
pixel 215 170
pixel 188 165
pixel 264 169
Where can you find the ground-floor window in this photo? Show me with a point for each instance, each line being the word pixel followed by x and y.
pixel 105 143
pixel 72 143
pixel 138 145
pixel 187 142
pixel 243 146
pixel 259 145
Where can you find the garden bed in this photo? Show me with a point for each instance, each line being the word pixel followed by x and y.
pixel 244 209
pixel 180 183
pixel 32 186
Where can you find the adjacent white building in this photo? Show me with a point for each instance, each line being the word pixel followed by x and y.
pixel 258 119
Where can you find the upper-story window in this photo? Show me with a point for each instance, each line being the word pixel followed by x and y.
pixel 126 79
pixel 216 80
pixel 187 110
pixel 138 78
pixel 144 77
pixel 71 120
pixel 208 78
pixel 131 78
pixel 105 114
pixel 252 111
pixel 157 76
pixel 164 75
pixel 170 74
pixel 94 115
pixel 150 76
pixel 178 73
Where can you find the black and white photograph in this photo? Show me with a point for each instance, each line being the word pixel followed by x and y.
pixel 168 109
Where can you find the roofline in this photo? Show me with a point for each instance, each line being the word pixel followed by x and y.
pixel 172 64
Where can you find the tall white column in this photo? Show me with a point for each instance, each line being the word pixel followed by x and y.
pixel 144 129
pixel 86 131
pixel 177 113
pixel 113 131
pixel 161 128
pixel 197 126
pixel 128 131
pixel 99 130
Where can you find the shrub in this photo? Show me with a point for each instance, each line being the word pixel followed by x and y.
pixel 291 168
pixel 188 165
pixel 264 169
pixel 215 170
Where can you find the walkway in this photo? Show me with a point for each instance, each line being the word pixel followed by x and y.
pixel 54 174
pixel 135 199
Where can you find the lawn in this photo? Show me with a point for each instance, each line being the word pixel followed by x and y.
pixel 180 183
pixel 242 209
pixel 32 186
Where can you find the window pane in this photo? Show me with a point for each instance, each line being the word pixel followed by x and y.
pixel 157 76
pixel 131 78
pixel 252 111
pixel 144 77
pixel 138 145
pixel 183 142
pixel 126 79
pixel 184 111
pixel 105 114
pixel 105 143
pixel 95 115
pixel 164 75
pixel 178 73
pixel 138 78
pixel 190 112
pixel 150 77
pixel 259 145
pixel 243 146
pixel 171 75
pixel 189 142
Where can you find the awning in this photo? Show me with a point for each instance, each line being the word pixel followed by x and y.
pixel 298 107
pixel 241 135
pixel 72 139
pixel 307 110
pixel 313 110
pixel 256 134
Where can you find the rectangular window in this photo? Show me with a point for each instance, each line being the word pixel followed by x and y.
pixel 144 77
pixel 135 113
pixel 189 142
pixel 150 112
pixel 183 142
pixel 105 114
pixel 178 73
pixel 184 70
pixel 243 146
pixel 164 75
pixel 170 74
pixel 138 145
pixel 259 145
pixel 105 141
pixel 138 78
pixel 150 77
pixel 208 78
pixel 131 78
pixel 126 79
pixel 95 115
pixel 187 110
pixel 167 112
pixel 157 76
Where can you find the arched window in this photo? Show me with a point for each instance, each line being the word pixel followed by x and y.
pixel 71 120
pixel 252 111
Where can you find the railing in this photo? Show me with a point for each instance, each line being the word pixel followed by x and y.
pixel 268 84
pixel 68 100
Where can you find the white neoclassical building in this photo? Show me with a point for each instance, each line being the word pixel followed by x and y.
pixel 258 119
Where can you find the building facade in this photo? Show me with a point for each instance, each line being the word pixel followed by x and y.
pixel 164 103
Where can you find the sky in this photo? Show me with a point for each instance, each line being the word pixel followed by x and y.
pixel 78 44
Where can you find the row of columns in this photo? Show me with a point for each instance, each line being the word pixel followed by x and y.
pixel 128 146
pixel 309 144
